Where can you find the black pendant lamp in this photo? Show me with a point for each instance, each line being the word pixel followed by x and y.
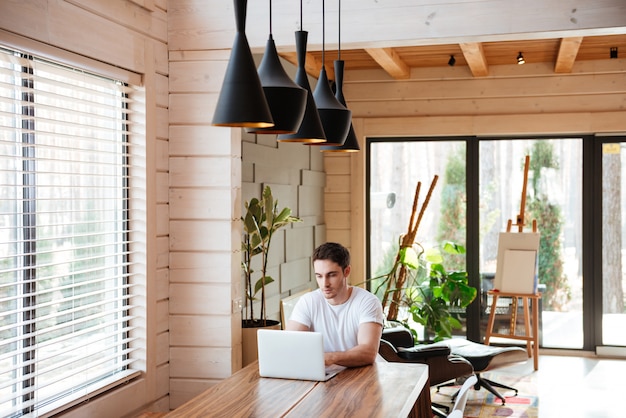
pixel 351 144
pixel 242 102
pixel 311 130
pixel 335 117
pixel 286 99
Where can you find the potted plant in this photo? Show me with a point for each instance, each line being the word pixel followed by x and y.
pixel 419 284
pixel 430 294
pixel 440 297
pixel 261 220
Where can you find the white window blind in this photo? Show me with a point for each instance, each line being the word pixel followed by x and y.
pixel 65 253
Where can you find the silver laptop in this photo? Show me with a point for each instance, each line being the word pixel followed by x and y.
pixel 293 355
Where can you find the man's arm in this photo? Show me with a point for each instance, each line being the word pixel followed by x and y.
pixel 364 353
pixel 296 326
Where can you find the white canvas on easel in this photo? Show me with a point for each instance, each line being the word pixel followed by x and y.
pixel 516 270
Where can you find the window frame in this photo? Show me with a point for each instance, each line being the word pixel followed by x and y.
pixel 136 137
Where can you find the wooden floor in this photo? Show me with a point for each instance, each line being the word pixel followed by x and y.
pixel 577 386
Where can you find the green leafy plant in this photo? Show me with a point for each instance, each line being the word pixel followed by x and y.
pixel 550 270
pixel 261 220
pixel 442 295
pixel 420 285
pixel 430 294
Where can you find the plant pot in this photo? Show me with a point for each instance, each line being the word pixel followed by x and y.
pixel 249 341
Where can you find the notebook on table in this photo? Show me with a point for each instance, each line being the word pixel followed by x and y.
pixel 293 355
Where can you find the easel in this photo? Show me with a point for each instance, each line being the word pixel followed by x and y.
pixel 529 300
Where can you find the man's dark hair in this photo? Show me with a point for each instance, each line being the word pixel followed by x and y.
pixel 333 252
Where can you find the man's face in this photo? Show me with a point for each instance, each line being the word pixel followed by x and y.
pixel 331 278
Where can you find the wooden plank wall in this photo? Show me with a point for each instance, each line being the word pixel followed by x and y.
pixel 295 173
pixel 213 171
pixel 205 177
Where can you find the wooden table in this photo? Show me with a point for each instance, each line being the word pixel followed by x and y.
pixel 382 390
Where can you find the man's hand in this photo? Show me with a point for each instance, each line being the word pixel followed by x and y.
pixel 364 353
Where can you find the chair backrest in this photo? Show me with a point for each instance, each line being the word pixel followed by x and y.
pixel 287 304
pixel 455 414
pixel 397 335
pixel 461 397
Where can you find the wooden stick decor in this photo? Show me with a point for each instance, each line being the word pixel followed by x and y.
pixel 520 217
pixel 398 278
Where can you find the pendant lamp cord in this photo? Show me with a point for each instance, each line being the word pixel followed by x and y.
pixel 270 17
pixel 300 15
pixel 323 33
pixel 339 32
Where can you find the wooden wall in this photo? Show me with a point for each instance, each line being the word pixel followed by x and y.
pixel 205 181
pixel 295 173
pixel 213 171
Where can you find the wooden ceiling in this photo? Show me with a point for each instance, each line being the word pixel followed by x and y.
pixel 561 53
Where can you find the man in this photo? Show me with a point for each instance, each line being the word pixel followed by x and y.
pixel 350 318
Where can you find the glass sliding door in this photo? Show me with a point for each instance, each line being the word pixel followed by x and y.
pixel 553 198
pixel 494 168
pixel 613 243
pixel 395 168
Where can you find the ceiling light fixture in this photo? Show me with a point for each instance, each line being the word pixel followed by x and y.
pixel 452 61
pixel 286 99
pixel 241 102
pixel 520 59
pixel 311 129
pixel 613 53
pixel 351 143
pixel 335 117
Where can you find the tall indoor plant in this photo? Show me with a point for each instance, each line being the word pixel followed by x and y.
pixel 261 220
pixel 419 283
pixel 442 295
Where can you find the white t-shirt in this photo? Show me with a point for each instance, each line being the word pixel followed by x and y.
pixel 339 324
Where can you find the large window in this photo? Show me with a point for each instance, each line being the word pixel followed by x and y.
pixel 396 168
pixel 553 199
pixel 571 182
pixel 66 265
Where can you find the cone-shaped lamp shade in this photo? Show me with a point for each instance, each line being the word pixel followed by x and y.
pixel 286 99
pixel 311 129
pixel 335 117
pixel 351 143
pixel 242 102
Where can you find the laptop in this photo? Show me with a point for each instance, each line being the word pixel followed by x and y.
pixel 293 355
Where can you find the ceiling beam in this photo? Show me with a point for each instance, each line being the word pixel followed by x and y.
pixel 390 61
pixel 567 54
pixel 475 57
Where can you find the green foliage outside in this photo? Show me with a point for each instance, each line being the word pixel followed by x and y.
pixel 550 225
pixel 384 266
pixel 452 220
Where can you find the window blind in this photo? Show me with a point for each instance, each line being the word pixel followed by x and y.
pixel 65 252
